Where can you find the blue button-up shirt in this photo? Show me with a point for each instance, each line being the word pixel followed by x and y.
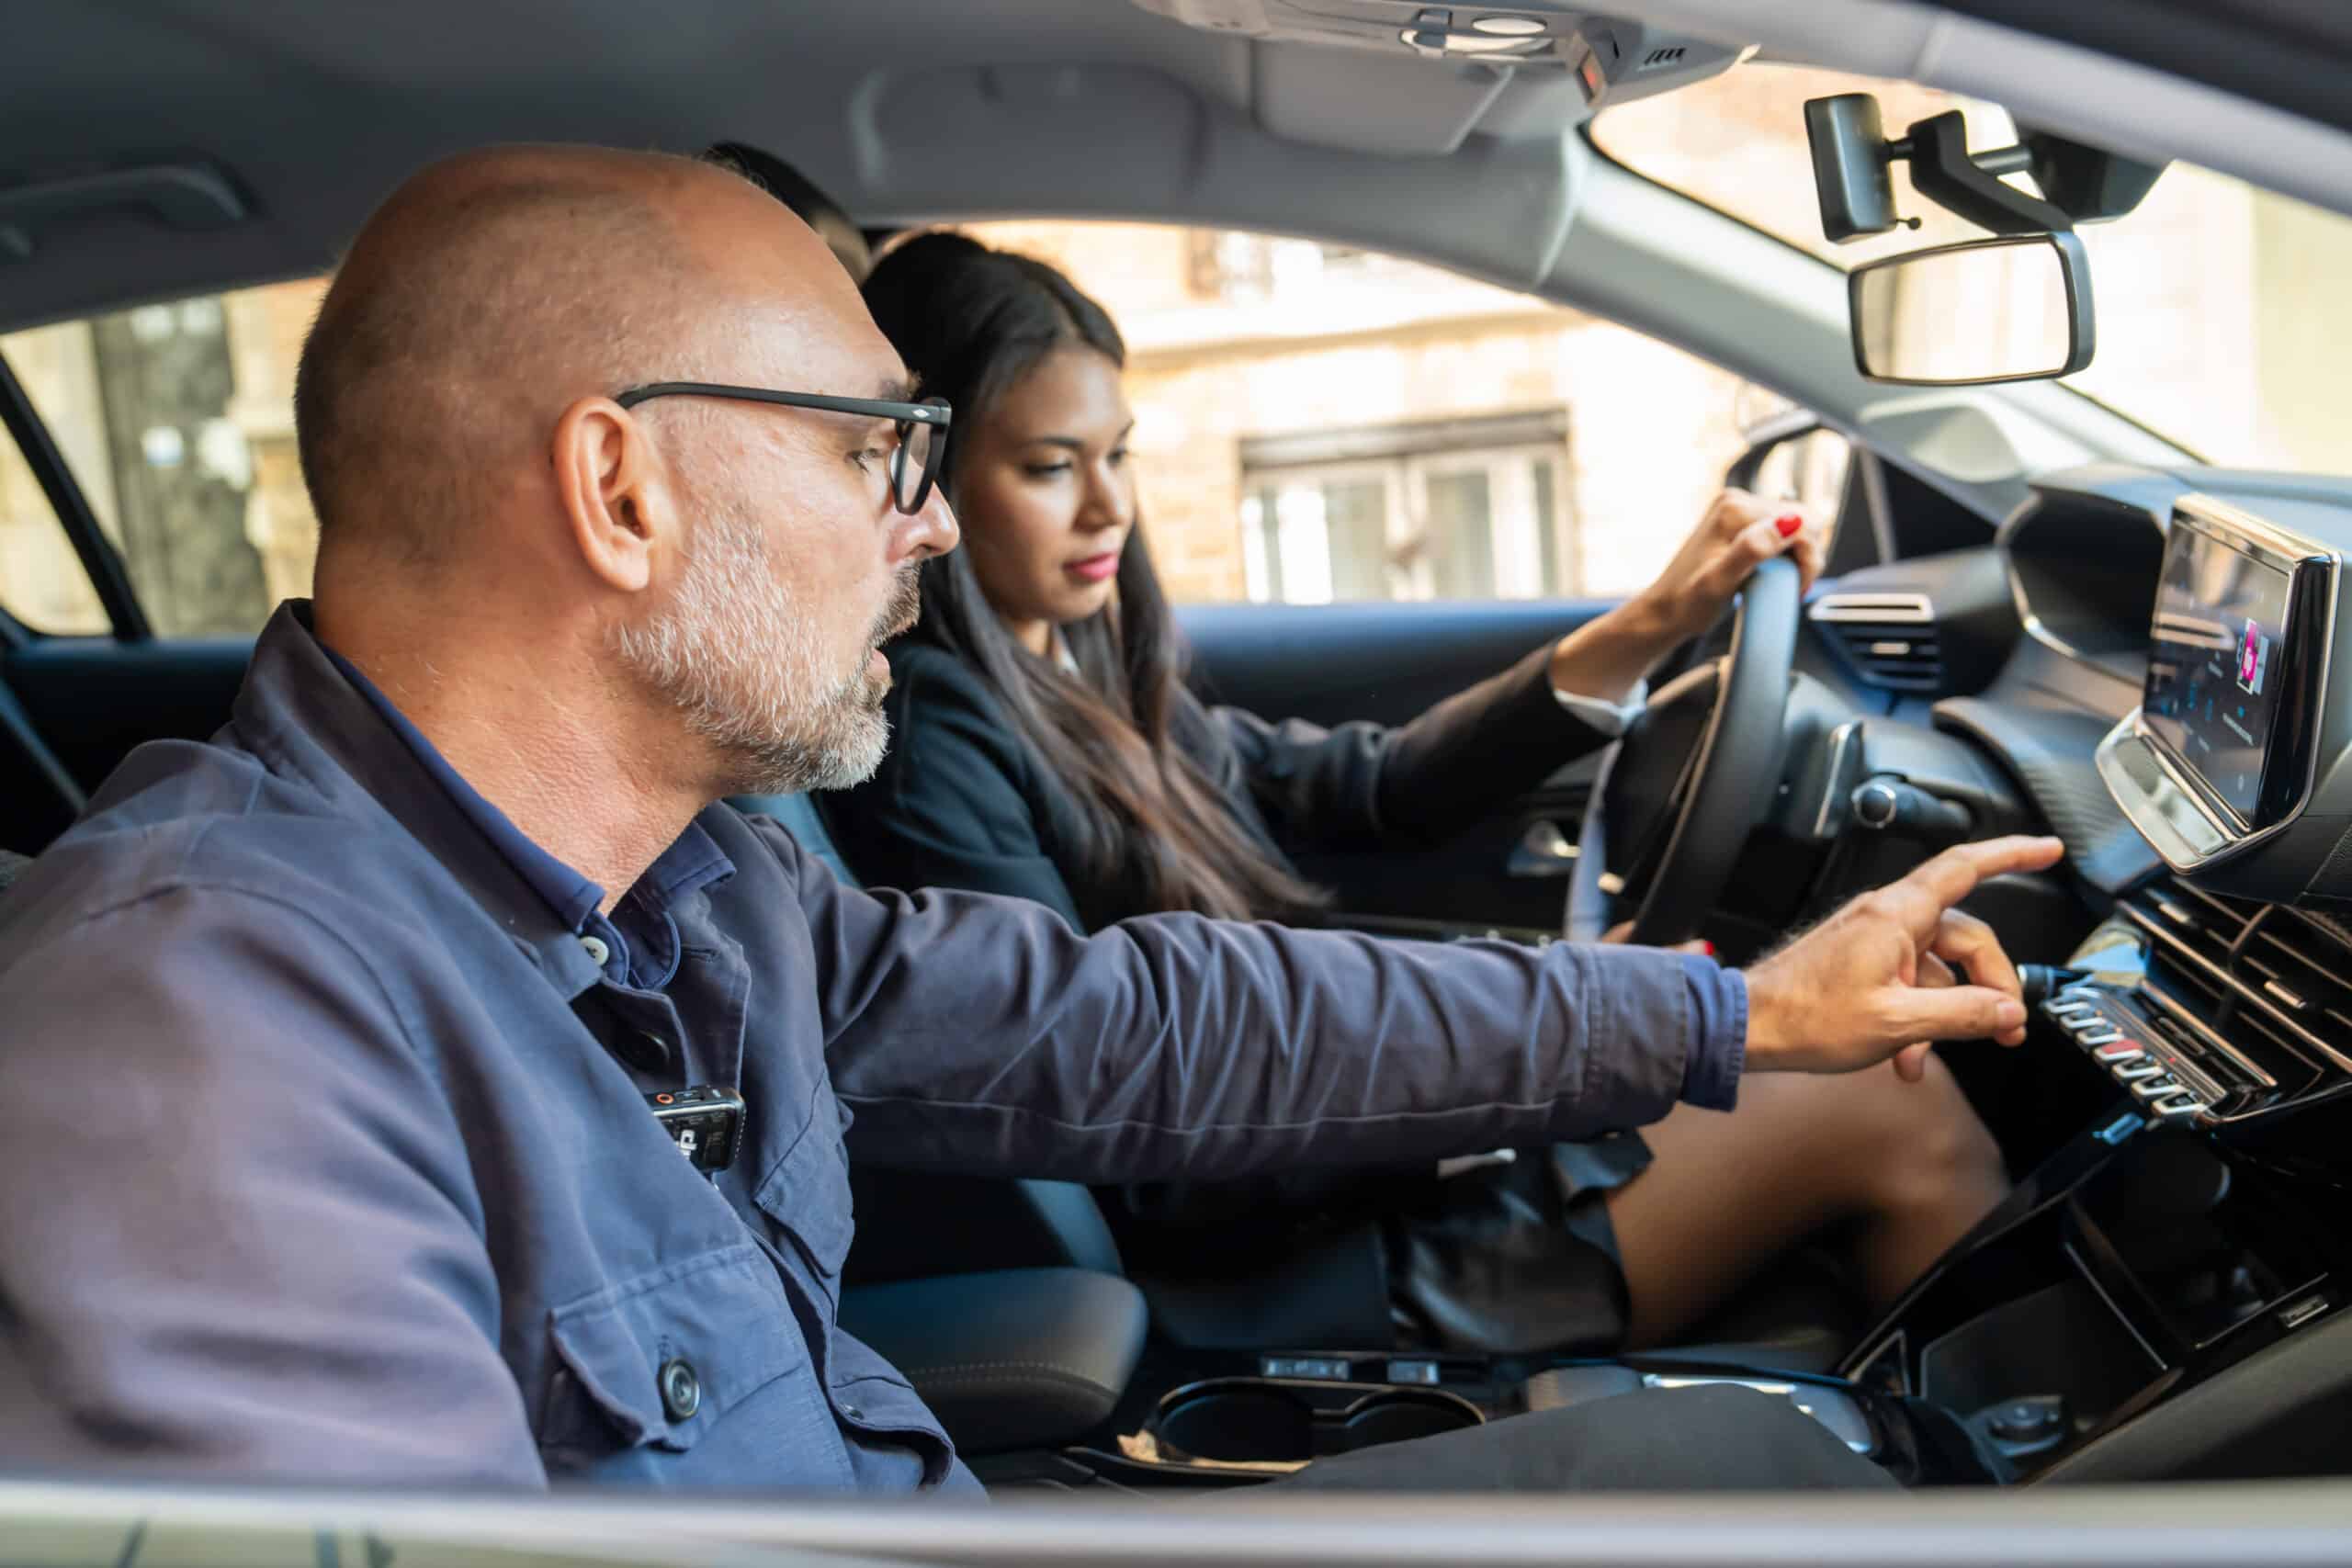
pixel 325 1151
pixel 644 955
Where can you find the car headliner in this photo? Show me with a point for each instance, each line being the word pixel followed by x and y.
pixel 915 109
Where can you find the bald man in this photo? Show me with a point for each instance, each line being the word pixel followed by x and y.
pixel 330 1050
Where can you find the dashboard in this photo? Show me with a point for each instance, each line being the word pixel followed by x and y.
pixel 2216 990
pixel 2168 699
pixel 2168 1291
pixel 2216 597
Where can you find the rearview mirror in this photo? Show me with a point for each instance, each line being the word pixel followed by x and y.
pixel 2013 308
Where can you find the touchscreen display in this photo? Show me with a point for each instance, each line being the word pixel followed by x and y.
pixel 2213 676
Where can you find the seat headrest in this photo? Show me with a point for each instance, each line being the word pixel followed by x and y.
pixel 814 208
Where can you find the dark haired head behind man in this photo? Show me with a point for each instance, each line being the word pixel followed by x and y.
pixel 378 979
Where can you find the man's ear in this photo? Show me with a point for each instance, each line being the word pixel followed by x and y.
pixel 610 485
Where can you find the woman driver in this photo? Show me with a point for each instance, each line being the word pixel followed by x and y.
pixel 1045 746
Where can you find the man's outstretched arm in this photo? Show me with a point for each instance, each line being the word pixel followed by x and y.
pixel 982 1034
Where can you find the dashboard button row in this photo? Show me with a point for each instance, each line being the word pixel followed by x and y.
pixel 2081 1013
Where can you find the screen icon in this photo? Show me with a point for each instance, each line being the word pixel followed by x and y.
pixel 2253 658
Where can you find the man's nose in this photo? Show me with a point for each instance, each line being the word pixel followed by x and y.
pixel 934 531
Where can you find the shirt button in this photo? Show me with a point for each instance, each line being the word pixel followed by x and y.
pixel 853 1412
pixel 597 951
pixel 680 1390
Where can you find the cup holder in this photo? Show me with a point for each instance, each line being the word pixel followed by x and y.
pixel 1237 1424
pixel 1401 1417
pixel 1252 1421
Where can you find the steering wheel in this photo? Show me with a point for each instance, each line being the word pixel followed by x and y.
pixel 1679 795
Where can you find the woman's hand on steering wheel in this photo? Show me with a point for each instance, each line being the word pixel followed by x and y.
pixel 1604 657
pixel 1737 533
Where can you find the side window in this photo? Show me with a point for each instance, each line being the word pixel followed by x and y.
pixel 177 420
pixel 1318 424
pixel 42 584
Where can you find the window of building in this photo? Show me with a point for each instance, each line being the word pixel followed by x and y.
pixel 1472 510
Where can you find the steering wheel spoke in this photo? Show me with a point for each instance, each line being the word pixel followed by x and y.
pixel 1694 784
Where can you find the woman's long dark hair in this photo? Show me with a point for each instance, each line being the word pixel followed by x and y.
pixel 971 322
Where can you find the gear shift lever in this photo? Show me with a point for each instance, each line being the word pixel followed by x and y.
pixel 2042 981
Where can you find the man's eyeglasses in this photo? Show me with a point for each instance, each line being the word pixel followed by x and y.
pixel 922 427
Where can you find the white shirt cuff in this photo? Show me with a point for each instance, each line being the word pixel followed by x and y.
pixel 1611 719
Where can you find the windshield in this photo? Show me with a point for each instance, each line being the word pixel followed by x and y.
pixel 2219 303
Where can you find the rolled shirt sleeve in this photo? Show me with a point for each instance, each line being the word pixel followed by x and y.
pixel 1719 1032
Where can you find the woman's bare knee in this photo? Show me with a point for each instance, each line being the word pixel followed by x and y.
pixel 1932 1151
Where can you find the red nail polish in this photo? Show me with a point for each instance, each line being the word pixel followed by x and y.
pixel 1788 523
pixel 1708 945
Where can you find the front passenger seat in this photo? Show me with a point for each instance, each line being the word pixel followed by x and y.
pixel 1025 1224
pixel 1330 1293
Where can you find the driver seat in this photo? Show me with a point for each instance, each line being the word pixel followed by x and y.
pixel 1054 1225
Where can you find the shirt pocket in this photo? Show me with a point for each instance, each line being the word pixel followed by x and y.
pixel 659 1360
pixel 808 1192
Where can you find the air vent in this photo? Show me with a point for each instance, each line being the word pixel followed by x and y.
pixel 2299 965
pixel 2239 964
pixel 2209 922
pixel 1889 638
pixel 2194 935
pixel 1664 57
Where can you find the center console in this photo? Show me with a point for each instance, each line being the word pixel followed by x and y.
pixel 1195 1420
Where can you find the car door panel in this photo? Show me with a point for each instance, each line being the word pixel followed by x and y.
pixel 1390 662
pixel 93 699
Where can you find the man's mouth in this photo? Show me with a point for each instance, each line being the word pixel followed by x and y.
pixel 898 617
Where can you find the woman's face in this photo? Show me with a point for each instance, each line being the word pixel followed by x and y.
pixel 1045 495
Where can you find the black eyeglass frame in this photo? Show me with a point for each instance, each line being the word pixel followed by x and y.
pixel 931 412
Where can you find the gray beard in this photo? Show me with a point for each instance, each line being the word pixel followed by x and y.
pixel 732 654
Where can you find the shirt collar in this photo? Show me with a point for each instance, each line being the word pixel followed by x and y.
pixel 570 895
pixel 305 708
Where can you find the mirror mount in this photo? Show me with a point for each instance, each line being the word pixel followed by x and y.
pixel 1853 157
pixel 1944 172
